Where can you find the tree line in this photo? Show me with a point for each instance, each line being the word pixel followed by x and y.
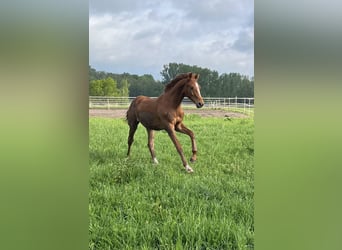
pixel 212 84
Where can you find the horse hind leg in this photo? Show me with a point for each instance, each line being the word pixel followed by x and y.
pixel 150 145
pixel 132 128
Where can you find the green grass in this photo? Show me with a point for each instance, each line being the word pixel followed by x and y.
pixel 134 204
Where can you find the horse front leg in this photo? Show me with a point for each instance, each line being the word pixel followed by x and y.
pixel 175 141
pixel 182 129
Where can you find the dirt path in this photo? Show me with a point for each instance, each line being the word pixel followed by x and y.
pixel 121 113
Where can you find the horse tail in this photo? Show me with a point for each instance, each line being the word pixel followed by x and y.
pixel 130 114
pixel 133 122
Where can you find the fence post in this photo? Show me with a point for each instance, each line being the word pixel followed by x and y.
pixel 249 105
pixel 244 105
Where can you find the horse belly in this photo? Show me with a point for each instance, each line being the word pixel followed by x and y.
pixel 150 121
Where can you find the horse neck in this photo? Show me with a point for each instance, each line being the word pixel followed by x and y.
pixel 175 95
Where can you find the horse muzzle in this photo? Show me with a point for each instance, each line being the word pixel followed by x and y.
pixel 199 104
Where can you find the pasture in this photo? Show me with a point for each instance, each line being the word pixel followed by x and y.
pixel 134 204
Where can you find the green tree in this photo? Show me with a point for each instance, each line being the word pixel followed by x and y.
pixel 145 85
pixel 110 87
pixel 123 87
pixel 208 78
pixel 103 87
pixel 169 72
pixel 213 84
pixel 96 88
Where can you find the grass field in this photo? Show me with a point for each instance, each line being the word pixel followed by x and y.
pixel 134 204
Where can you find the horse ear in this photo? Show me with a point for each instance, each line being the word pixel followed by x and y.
pixel 196 76
pixel 190 75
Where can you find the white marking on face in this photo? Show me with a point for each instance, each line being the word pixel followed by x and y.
pixel 197 89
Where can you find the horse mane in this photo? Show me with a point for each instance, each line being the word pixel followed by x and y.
pixel 178 78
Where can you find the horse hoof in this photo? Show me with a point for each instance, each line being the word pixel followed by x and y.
pixel 192 160
pixel 189 169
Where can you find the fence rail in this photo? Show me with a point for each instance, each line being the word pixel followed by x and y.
pixel 245 104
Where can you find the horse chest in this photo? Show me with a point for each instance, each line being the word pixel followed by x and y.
pixel 173 117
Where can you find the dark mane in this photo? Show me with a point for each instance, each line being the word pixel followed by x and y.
pixel 179 77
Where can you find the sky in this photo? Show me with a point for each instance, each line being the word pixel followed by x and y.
pixel 140 36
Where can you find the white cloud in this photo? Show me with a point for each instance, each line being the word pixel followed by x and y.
pixel 142 38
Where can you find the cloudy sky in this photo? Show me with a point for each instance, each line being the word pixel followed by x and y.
pixel 140 36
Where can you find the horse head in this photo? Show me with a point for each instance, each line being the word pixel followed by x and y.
pixel 192 90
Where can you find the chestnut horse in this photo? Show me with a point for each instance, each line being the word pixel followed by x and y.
pixel 166 113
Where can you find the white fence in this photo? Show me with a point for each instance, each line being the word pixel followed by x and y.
pixel 245 104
